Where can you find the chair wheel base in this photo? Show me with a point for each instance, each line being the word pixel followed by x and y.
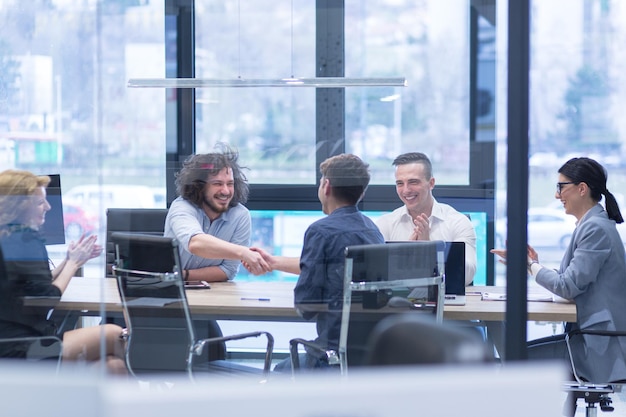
pixel 605 404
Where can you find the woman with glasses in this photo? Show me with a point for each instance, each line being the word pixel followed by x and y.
pixel 592 273
pixel 26 275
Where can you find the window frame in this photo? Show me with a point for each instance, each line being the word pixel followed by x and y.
pixel 478 195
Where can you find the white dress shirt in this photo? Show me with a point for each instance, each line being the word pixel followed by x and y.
pixel 446 224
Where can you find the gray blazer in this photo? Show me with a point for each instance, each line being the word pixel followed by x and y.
pixel 593 275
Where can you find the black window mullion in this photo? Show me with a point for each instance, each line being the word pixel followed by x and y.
pixel 180 14
pixel 330 106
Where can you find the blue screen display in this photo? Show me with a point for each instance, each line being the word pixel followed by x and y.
pixel 282 232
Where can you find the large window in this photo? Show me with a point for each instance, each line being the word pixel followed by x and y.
pixel 428 43
pixel 273 127
pixel 576 97
pixel 65 108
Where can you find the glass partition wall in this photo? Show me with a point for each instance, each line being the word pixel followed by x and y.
pixel 65 110
pixel 65 107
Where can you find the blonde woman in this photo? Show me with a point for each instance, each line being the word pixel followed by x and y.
pixel 23 207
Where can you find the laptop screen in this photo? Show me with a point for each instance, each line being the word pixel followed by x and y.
pixel 454 267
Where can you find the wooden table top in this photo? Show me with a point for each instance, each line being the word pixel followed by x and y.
pixel 273 301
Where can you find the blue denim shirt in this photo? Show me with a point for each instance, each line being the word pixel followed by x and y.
pixel 322 265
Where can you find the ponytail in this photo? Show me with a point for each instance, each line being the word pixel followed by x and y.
pixel 611 207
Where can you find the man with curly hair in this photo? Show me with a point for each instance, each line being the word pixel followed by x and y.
pixel 209 219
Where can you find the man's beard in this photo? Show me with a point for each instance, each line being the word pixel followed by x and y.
pixel 215 208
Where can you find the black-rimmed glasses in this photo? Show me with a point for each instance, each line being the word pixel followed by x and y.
pixel 559 185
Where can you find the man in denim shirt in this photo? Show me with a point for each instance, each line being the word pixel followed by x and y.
pixel 344 180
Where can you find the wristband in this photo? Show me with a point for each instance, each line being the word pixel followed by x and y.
pixel 532 262
pixel 186 275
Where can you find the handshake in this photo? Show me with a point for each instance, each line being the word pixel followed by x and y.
pixel 258 262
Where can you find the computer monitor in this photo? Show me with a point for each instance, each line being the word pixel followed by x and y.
pixel 394 260
pixel 281 232
pixel 54 229
pixel 146 252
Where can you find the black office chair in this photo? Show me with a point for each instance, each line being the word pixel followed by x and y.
pixel 375 278
pixel 152 222
pixel 410 339
pixel 30 348
pixel 161 337
pixel 145 221
pixel 592 383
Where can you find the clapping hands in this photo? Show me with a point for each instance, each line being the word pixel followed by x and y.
pixel 83 250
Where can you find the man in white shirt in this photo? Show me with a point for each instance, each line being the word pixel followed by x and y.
pixel 422 217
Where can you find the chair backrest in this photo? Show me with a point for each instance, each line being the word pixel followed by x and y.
pixel 161 334
pixel 26 347
pixel 374 274
pixel 410 339
pixel 146 221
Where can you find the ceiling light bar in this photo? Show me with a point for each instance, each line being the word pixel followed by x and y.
pixel 319 82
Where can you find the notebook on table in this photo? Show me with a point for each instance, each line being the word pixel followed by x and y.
pixel 454 274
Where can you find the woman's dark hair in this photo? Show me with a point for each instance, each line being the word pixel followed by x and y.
pixel 594 175
pixel 197 169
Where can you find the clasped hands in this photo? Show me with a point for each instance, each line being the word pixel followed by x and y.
pixel 257 261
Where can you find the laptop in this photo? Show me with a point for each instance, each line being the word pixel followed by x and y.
pixel 454 275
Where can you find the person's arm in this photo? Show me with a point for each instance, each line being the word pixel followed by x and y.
pixel 184 225
pixel 77 255
pixel 470 262
pixel 309 290
pixel 57 269
pixel 593 248
pixel 208 273
pixel 95 252
pixel 290 264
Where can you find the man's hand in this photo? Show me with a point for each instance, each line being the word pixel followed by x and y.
pixel 422 228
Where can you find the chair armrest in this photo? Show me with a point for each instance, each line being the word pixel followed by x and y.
pixel 30 339
pixel 332 357
pixel 580 332
pixel 267 363
pixel 39 351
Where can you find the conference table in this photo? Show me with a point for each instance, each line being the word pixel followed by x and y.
pixel 273 301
